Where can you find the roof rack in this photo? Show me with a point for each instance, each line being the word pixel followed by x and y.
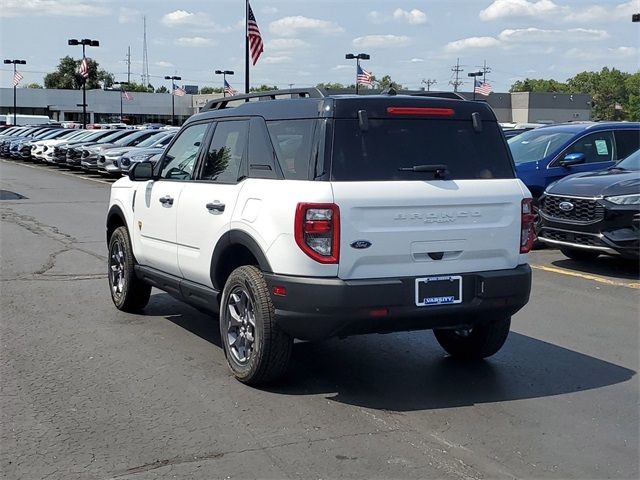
pixel 221 103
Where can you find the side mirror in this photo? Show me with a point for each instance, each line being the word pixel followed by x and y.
pixel 141 172
pixel 572 159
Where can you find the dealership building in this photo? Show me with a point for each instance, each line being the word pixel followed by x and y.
pixel 104 106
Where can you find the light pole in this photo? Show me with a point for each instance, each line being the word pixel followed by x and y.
pixel 85 42
pixel 358 57
pixel 122 84
pixel 173 78
pixel 474 75
pixel 15 84
pixel 224 74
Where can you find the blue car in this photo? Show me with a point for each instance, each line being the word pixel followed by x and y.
pixel 550 153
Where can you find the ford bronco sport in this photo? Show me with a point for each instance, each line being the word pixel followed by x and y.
pixel 317 216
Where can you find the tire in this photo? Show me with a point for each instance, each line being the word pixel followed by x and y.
pixel 257 350
pixel 128 292
pixel 478 342
pixel 578 254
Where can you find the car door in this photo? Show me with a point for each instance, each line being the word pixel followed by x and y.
pixel 206 207
pixel 156 203
pixel 598 149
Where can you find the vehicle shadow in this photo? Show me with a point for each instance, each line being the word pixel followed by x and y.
pixel 617 267
pixel 409 371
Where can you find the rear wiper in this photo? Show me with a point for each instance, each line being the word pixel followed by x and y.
pixel 439 170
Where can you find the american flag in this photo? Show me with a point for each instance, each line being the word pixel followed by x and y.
pixel 228 89
pixel 178 91
pixel 84 68
pixel 363 77
pixel 16 78
pixel 126 95
pixel 255 39
pixel 482 88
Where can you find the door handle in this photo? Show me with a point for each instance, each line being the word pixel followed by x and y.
pixel 215 206
pixel 166 200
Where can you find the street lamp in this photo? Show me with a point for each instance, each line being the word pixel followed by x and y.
pixel 224 74
pixel 474 75
pixel 122 84
pixel 85 42
pixel 173 78
pixel 15 83
pixel 358 57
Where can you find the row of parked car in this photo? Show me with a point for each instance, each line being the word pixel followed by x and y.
pixel 110 152
pixel 584 176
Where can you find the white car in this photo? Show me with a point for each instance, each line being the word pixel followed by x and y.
pixel 329 216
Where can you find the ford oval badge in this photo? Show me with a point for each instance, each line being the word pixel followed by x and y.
pixel 360 244
pixel 566 206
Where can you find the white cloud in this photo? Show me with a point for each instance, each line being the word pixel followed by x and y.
pixel 414 17
pixel 517 8
pixel 67 8
pixel 295 26
pixel 608 54
pixel 472 42
pixel 417 60
pixel 276 60
pixel 197 20
pixel 286 44
pixel 373 41
pixel 269 10
pixel 342 67
pixel 195 42
pixel 180 17
pixel 375 17
pixel 163 64
pixel 127 15
pixel 530 35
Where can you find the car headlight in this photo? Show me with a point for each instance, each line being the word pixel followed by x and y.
pixel 141 158
pixel 633 199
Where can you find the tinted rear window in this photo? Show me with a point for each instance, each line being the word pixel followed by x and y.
pixel 392 144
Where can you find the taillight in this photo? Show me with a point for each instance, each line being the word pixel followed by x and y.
pixel 527 225
pixel 317 231
pixel 421 111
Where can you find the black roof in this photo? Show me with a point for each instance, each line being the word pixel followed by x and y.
pixel 315 103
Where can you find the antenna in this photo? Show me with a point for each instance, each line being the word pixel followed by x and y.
pixel 128 62
pixel 457 70
pixel 145 59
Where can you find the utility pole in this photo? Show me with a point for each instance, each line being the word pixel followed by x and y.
pixel 429 82
pixel 484 69
pixel 457 70
pixel 128 60
pixel 145 59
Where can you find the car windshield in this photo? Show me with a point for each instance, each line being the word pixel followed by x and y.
pixel 148 142
pixel 534 145
pixel 114 136
pixel 160 140
pixel 632 162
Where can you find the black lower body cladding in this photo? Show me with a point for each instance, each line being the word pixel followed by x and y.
pixel 317 308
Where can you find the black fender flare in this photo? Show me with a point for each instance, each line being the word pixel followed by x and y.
pixel 237 237
pixel 115 211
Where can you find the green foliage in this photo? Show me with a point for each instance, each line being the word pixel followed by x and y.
pixel 162 89
pixel 138 87
pixel 67 77
pixel 385 82
pixel 608 88
pixel 207 90
pixel 33 85
pixel 331 86
pixel 263 88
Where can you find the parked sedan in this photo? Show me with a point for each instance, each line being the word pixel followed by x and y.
pixel 91 155
pixel 76 152
pixel 588 214
pixel 113 158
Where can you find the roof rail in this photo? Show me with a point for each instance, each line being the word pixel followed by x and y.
pixel 221 103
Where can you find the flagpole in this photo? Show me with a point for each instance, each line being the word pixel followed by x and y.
pixel 14 94
pixel 246 47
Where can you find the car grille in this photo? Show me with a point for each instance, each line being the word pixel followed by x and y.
pixel 572 237
pixel 584 209
pixel 72 153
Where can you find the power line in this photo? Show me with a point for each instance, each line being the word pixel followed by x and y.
pixel 484 69
pixel 457 71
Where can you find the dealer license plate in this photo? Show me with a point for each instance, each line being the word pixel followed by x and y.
pixel 442 290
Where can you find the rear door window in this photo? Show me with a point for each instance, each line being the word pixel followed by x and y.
pixel 391 145
pixel 225 154
pixel 596 147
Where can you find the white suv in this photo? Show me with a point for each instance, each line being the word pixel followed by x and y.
pixel 321 216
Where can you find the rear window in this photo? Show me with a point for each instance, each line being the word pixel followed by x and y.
pixel 390 145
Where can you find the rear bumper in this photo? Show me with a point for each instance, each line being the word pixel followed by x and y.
pixel 317 308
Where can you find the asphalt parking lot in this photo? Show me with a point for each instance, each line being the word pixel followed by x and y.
pixel 89 392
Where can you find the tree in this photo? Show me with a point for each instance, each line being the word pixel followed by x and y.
pixel 138 87
pixel 330 86
pixel 208 90
pixel 632 108
pixel 162 89
pixel 263 88
pixel 67 75
pixel 607 89
pixel 538 85
pixel 385 82
pixel 33 85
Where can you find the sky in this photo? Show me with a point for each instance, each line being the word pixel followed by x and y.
pixel 305 42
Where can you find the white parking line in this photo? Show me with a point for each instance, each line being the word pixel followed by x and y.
pixel 587 276
pixel 68 174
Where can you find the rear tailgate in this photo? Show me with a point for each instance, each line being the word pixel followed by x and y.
pixel 414 228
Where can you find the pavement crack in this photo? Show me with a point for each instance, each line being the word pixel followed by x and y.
pixel 50 263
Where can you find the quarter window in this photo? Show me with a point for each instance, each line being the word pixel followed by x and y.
pixel 180 159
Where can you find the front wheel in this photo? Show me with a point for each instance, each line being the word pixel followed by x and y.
pixel 479 341
pixel 128 292
pixel 257 350
pixel 579 254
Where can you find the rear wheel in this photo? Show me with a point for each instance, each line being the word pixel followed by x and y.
pixel 128 292
pixel 579 254
pixel 257 350
pixel 475 342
